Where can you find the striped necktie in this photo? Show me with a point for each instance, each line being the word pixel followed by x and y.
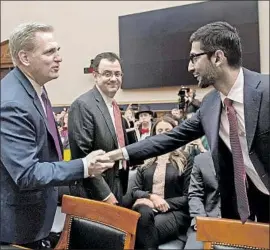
pixel 238 163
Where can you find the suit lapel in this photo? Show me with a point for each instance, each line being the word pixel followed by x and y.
pixel 252 103
pixel 105 112
pixel 212 121
pixel 30 90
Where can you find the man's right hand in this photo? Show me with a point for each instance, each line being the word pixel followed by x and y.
pixel 98 162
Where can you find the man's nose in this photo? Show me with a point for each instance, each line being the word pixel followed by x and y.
pixel 113 77
pixel 58 58
pixel 190 66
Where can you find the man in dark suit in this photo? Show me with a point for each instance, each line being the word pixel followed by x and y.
pixel 203 195
pixel 94 124
pixel 30 147
pixel 234 118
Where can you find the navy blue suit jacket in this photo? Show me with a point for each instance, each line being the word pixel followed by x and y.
pixel 207 121
pixel 29 167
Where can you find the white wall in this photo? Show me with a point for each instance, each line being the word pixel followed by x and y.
pixel 86 28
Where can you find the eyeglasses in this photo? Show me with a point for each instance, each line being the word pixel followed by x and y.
pixel 193 56
pixel 109 74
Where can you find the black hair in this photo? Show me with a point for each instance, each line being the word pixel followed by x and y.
pixel 220 36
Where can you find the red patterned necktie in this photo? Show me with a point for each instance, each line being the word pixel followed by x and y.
pixel 51 122
pixel 119 128
pixel 238 163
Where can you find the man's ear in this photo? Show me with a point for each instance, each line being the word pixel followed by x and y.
pixel 219 57
pixel 24 57
pixel 94 74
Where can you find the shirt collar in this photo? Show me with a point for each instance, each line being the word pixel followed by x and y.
pixel 108 100
pixel 35 85
pixel 236 92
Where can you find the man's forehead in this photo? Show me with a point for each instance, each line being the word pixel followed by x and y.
pixel 46 39
pixel 195 47
pixel 106 64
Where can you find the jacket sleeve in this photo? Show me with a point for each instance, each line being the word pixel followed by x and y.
pixel 81 133
pixel 20 149
pixel 137 190
pixel 181 202
pixel 185 132
pixel 196 194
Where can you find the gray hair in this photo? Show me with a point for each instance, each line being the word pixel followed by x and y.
pixel 23 38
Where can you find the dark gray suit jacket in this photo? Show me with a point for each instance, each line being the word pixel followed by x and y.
pixel 207 121
pixel 91 128
pixel 203 193
pixel 29 167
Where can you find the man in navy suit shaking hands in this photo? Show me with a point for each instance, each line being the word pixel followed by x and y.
pixel 31 151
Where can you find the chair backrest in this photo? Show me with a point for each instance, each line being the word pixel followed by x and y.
pixel 219 233
pixel 92 224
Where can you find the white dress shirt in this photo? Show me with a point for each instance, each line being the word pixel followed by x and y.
pixel 108 102
pixel 236 94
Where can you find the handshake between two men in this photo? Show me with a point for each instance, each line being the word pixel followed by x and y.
pixel 98 161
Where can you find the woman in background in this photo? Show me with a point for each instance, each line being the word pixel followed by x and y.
pixel 160 191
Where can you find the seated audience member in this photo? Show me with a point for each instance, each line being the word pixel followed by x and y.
pixel 178 115
pixel 64 131
pixel 129 115
pixel 196 147
pixel 192 103
pixel 203 195
pixel 144 124
pixel 160 191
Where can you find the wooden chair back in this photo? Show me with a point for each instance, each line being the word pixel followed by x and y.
pixel 113 216
pixel 216 232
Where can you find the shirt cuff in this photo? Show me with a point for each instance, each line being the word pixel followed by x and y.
pixel 125 154
pixel 107 197
pixel 85 167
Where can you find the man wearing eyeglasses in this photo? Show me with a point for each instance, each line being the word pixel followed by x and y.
pixel 234 117
pixel 95 122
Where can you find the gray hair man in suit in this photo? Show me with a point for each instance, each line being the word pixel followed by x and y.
pixel 31 153
pixel 234 117
pixel 203 195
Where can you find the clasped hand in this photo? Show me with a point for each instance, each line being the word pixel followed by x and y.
pixel 154 202
pixel 98 162
pixel 159 203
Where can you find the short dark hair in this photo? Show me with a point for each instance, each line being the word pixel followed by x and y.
pixel 220 36
pixel 105 55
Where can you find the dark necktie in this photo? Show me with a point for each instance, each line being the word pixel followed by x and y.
pixel 119 127
pixel 51 122
pixel 238 163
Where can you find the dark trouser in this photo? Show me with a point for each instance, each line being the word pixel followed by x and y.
pixel 258 203
pixel 154 229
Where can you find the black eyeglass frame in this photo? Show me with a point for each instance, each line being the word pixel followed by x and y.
pixel 193 55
